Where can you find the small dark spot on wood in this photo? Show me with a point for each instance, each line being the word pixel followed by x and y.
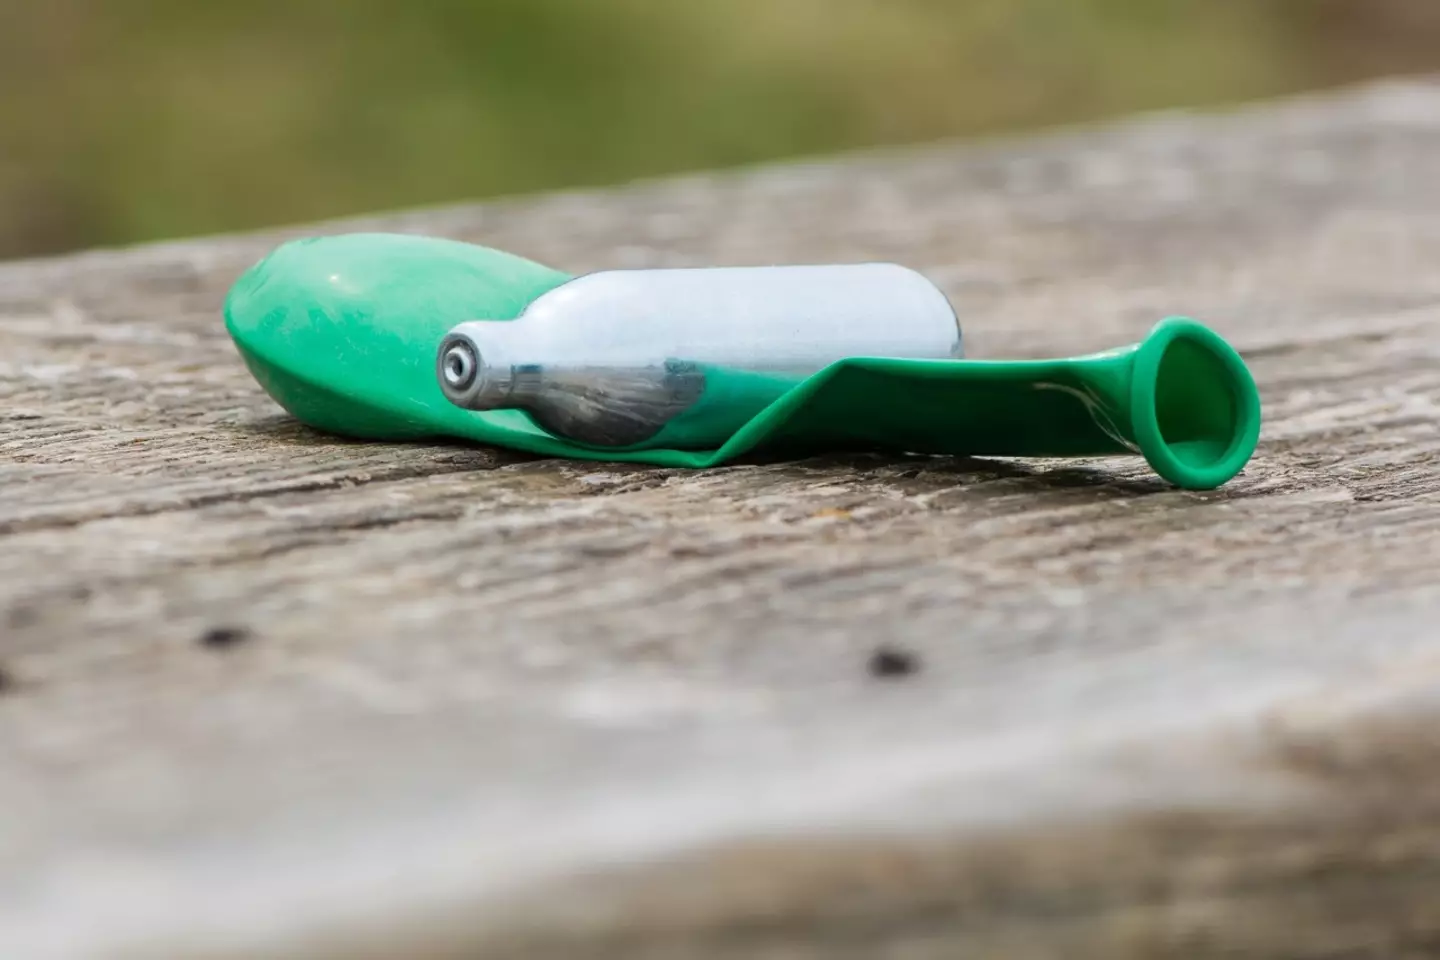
pixel 223 638
pixel 20 617
pixel 609 550
pixel 8 682
pixel 889 662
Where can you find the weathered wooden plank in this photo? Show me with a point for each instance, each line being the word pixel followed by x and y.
pixel 457 702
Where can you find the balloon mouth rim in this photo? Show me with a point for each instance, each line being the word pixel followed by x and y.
pixel 1242 431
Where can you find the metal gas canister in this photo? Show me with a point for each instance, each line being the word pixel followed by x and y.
pixel 684 357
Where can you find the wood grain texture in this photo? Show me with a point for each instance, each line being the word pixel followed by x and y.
pixel 271 693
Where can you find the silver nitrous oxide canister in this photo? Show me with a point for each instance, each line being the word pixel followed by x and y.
pixel 684 357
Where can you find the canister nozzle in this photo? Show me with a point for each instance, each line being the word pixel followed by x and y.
pixel 469 376
pixel 459 365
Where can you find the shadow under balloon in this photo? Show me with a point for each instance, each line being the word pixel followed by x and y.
pixel 885 468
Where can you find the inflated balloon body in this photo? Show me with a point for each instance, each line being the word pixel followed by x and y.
pixel 397 337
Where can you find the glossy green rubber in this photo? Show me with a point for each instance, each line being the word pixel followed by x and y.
pixel 342 332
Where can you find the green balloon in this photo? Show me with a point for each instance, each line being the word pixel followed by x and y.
pixel 342 331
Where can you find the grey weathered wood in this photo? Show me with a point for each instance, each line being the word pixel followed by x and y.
pixel 499 707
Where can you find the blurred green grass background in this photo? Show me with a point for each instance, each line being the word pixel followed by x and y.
pixel 132 120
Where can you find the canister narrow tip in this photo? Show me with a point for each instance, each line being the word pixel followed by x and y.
pixel 468 375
